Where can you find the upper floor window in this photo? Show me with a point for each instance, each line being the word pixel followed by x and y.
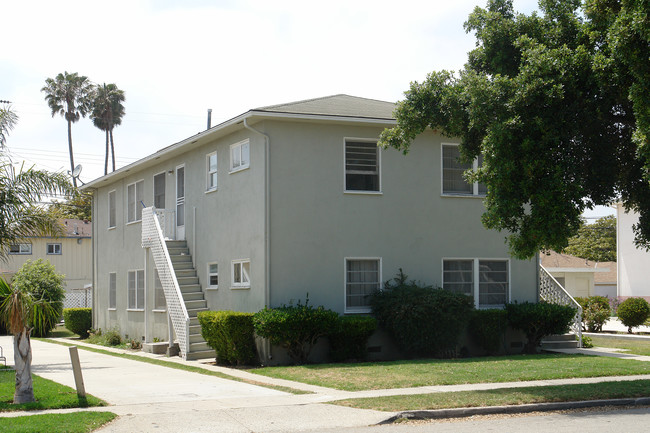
pixel 362 278
pixel 362 166
pixel 54 249
pixel 453 181
pixel 240 157
pixel 111 209
pixel 134 199
pixel 20 249
pixel 240 274
pixel 486 281
pixel 211 162
pixel 159 191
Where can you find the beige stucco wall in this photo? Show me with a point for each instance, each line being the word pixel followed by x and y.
pixel 578 284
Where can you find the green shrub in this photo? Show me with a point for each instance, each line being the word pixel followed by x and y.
pixel 231 335
pixel 633 312
pixel 40 279
pixel 78 320
pixel 487 328
pixel 349 339
pixel 112 337
pixel 297 328
pixel 423 321
pixel 595 313
pixel 539 320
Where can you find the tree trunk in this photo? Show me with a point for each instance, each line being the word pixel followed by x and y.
pixel 23 361
pixel 112 148
pixel 106 159
pixel 74 179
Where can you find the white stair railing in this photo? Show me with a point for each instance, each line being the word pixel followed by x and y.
pixel 153 238
pixel 552 292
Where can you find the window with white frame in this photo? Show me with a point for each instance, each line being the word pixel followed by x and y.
pixel 240 274
pixel 111 209
pixel 159 191
pixel 362 278
pixel 20 249
pixel 213 276
pixel 159 302
pixel 211 163
pixel 240 157
pixel 112 290
pixel 54 249
pixel 361 166
pixel 453 181
pixel 135 284
pixel 485 280
pixel 134 199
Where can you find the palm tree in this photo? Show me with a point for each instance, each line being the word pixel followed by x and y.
pixel 19 311
pixel 8 120
pixel 107 113
pixel 69 96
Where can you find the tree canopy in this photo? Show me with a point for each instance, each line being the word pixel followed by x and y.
pixel 558 104
pixel 595 242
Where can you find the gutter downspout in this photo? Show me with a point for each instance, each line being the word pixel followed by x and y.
pixel 267 224
pixel 93 243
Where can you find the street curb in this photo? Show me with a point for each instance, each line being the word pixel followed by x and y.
pixel 522 408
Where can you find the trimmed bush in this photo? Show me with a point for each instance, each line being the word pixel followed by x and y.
pixel 595 313
pixel 78 320
pixel 349 339
pixel 231 335
pixel 487 328
pixel 424 321
pixel 40 279
pixel 633 312
pixel 297 328
pixel 539 320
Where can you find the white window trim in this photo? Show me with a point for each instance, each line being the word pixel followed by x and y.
pixel 354 191
pixel 54 244
pixel 474 194
pixel 136 201
pixel 208 286
pixel 208 173
pixel 114 192
pixel 234 285
pixel 475 277
pixel 358 310
pixel 136 290
pixel 20 252
pixel 239 145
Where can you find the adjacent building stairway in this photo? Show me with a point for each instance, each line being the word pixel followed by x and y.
pixel 188 281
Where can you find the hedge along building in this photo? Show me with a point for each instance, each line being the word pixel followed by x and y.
pixel 285 202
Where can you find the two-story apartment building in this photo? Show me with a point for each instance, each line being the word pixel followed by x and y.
pixel 285 201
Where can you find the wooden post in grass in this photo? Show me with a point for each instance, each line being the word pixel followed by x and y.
pixel 76 370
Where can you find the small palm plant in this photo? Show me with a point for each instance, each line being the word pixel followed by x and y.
pixel 20 312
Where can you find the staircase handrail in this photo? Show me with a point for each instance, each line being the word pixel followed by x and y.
pixel 550 290
pixel 153 238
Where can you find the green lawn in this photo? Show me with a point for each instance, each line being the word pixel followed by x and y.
pixel 62 332
pixel 48 394
pixel 425 372
pixel 79 422
pixel 503 397
pixel 637 347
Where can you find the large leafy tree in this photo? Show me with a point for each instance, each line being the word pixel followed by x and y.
pixel 107 113
pixel 70 96
pixel 558 104
pixel 595 242
pixel 77 206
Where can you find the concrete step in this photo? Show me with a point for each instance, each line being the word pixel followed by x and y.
pixel 178 252
pixel 204 354
pixel 199 346
pixel 193 296
pixel 188 288
pixel 565 341
pixel 176 244
pixel 186 273
pixel 181 259
pixel 198 304
pixel 186 281
pixel 183 266
pixel 193 312
pixel 196 338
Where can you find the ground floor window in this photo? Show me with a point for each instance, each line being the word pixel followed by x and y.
pixel 240 274
pixel 112 290
pixel 213 276
pixel 487 281
pixel 136 289
pixel 362 278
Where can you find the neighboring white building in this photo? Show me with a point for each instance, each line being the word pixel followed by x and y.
pixel 580 277
pixel 633 263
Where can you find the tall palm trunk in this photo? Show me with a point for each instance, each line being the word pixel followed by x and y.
pixel 112 148
pixel 106 159
pixel 74 179
pixel 23 361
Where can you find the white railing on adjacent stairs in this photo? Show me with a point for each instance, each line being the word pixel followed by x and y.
pixel 153 238
pixel 167 222
pixel 551 291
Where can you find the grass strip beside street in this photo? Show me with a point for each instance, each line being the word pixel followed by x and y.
pixel 48 394
pixel 78 422
pixel 632 346
pixel 503 396
pixel 427 372
pixel 179 367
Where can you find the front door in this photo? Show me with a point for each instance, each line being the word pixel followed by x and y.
pixel 180 202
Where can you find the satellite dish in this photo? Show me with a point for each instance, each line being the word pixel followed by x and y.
pixel 77 171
